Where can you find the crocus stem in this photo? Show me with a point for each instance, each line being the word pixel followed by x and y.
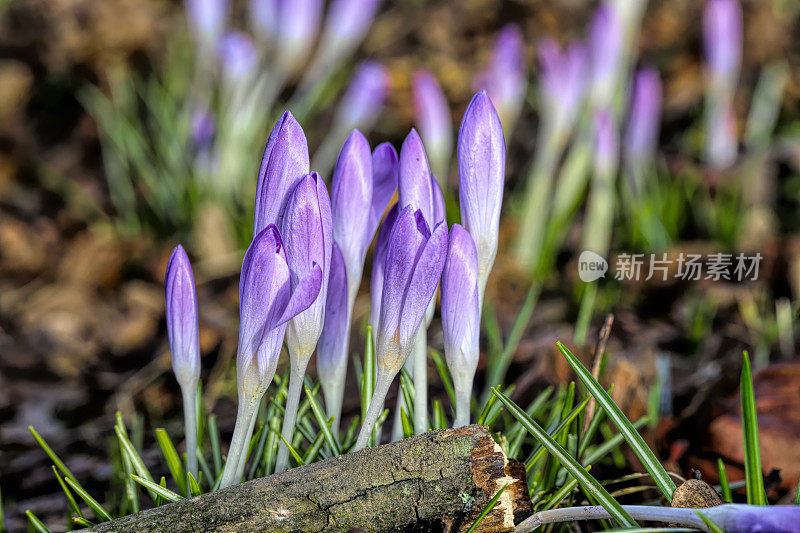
pixel 675 515
pixel 245 420
pixel 420 356
pixel 333 390
pixel 296 375
pixel 242 463
pixel 373 412
pixel 397 428
pixel 189 394
pixel 463 397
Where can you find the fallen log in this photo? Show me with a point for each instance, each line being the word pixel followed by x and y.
pixel 438 481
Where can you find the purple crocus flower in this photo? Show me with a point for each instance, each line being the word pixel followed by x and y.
pixel 606 143
pixel 505 79
pixel 481 176
pixel 284 164
pixel 605 49
pixel 563 83
pixel 184 342
pixel 238 57
pixel 432 114
pixel 333 342
pixel 364 98
pixel 297 30
pixel 741 518
pixel 461 317
pixel 385 176
pixel 415 257
pixel 307 226
pixel 645 114
pixel 207 20
pixel 722 37
pixel 378 267
pixel 266 304
pixel 414 186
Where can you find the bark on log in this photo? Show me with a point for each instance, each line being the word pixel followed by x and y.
pixel 438 481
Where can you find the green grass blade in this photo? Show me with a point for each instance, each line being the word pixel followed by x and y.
pixel 565 490
pixel 52 455
pixel 172 458
pixel 636 442
pixel 486 510
pixel 408 428
pixel 131 491
pixel 723 482
pixel 96 508
pixel 752 453
pixel 72 503
pixel 2 522
pixel 35 522
pixel 136 461
pixel 714 528
pixel 258 454
pixel 297 457
pixel 79 520
pixel 444 375
pixel 313 451
pixel 439 420
pixel 216 448
pixel 558 429
pixel 161 492
pixel 323 423
pixel 610 444
pixel 573 467
pixel 194 487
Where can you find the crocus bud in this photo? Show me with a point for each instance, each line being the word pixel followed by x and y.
pixel 184 340
pixel 363 100
pixel 414 185
pixel 439 209
pixel 461 317
pixel 284 163
pixel 385 171
pixel 605 49
pixel 297 30
pixel 606 143
pixel 563 83
pixel 378 266
pixel 644 117
pixel 742 518
pixel 414 261
pixel 481 176
pixel 238 57
pixel 207 20
pixel 432 114
pixel 722 37
pixel 308 237
pixel 505 79
pixel 333 343
pixel 351 198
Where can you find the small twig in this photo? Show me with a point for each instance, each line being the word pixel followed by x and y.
pixel 597 358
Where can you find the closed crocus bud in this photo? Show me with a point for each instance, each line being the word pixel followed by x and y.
pixel 563 82
pixel 284 163
pixel 351 198
pixel 207 20
pixel 414 260
pixel 644 117
pixel 363 100
pixel 238 57
pixel 461 317
pixel 741 518
pixel 308 237
pixel 378 266
pixel 432 114
pixel 506 77
pixel 184 342
pixel 722 39
pixel 414 184
pixel 297 30
pixel 266 304
pixel 605 49
pixel 481 176
pixel 385 175
pixel 333 343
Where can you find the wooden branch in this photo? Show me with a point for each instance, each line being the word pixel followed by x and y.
pixel 438 481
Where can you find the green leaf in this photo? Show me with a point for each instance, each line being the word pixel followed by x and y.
pixel 565 490
pixel 131 491
pixel 723 482
pixel 162 492
pixel 487 509
pixel 298 459
pixel 313 451
pixel 194 487
pixel 35 522
pixel 444 375
pixel 573 467
pixel 172 458
pixel 2 527
pixel 568 419
pixel 752 453
pixel 79 520
pixel 136 461
pixel 96 508
pixel 636 442
pixel 72 503
pixel 323 423
pixel 216 448
pixel 408 428
pixel 52 455
pixel 439 418
pixel 714 528
pixel 368 373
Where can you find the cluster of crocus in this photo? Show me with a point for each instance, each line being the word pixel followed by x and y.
pixel 301 273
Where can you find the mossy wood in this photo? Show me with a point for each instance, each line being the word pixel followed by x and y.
pixel 438 481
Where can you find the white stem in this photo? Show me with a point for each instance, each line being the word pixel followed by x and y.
pixel 397 428
pixel 189 394
pixel 675 515
pixel 373 412
pixel 420 356
pixel 463 398
pixel 245 419
pixel 296 375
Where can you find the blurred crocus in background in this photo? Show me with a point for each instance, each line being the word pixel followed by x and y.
pixel 644 118
pixel 605 52
pixel 505 78
pixel 481 177
pixel 414 261
pixel 184 343
pixel 264 21
pixel 432 116
pixel 207 21
pixel 600 212
pixel 461 315
pixel 308 237
pixel 298 24
pixel 359 108
pixel 722 39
